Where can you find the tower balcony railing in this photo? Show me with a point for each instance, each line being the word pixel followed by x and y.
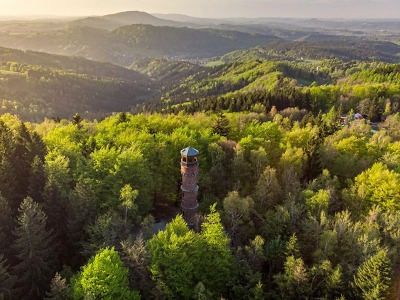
pixel 189 164
pixel 190 189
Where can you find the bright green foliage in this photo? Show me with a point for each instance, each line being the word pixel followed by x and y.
pixel 103 277
pixel 34 251
pixel 318 202
pixel 292 164
pixel 175 256
pixel 373 277
pixel 216 257
pixel 347 153
pixel 112 168
pixel 380 186
pixel 181 258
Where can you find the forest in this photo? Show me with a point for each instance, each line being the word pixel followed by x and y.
pixel 299 158
pixel 289 209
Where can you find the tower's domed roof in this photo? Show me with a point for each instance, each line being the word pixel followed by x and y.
pixel 189 151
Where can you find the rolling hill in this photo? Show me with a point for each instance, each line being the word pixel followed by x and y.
pixel 120 19
pixel 126 44
pixel 316 50
pixel 36 85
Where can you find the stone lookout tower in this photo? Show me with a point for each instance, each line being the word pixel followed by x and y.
pixel 189 187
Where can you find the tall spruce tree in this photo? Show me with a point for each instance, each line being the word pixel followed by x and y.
pixel 37 180
pixel 34 251
pixel 7 150
pixel 6 227
pixel 373 277
pixel 221 126
pixel 22 158
pixel 7 281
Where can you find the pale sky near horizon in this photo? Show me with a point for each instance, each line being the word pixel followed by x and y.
pixel 208 8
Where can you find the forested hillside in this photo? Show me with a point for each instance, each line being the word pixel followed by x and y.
pixel 36 85
pixel 341 48
pixel 289 209
pixel 371 88
pixel 124 45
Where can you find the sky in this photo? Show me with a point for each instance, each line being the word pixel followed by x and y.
pixel 208 8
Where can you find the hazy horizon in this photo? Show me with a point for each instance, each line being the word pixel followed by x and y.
pixel 346 9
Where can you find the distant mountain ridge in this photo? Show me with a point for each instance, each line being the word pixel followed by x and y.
pixel 113 21
pixel 126 44
pixel 329 49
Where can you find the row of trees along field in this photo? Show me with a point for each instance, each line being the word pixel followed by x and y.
pixel 290 209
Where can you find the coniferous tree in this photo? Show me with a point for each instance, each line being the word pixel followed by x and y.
pixel 22 159
pixel 38 147
pixel 56 209
pixel 6 227
pixel 37 180
pixel 373 277
pixel 34 251
pixel 7 171
pixel 221 126
pixel 82 212
pixel 7 281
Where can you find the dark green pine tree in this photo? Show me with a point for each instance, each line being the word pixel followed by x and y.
pixel 37 180
pixel 6 227
pixel 38 147
pixel 57 212
pixel 7 281
pixel 373 277
pixel 8 176
pixel 22 159
pixel 34 251
pixel 221 126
